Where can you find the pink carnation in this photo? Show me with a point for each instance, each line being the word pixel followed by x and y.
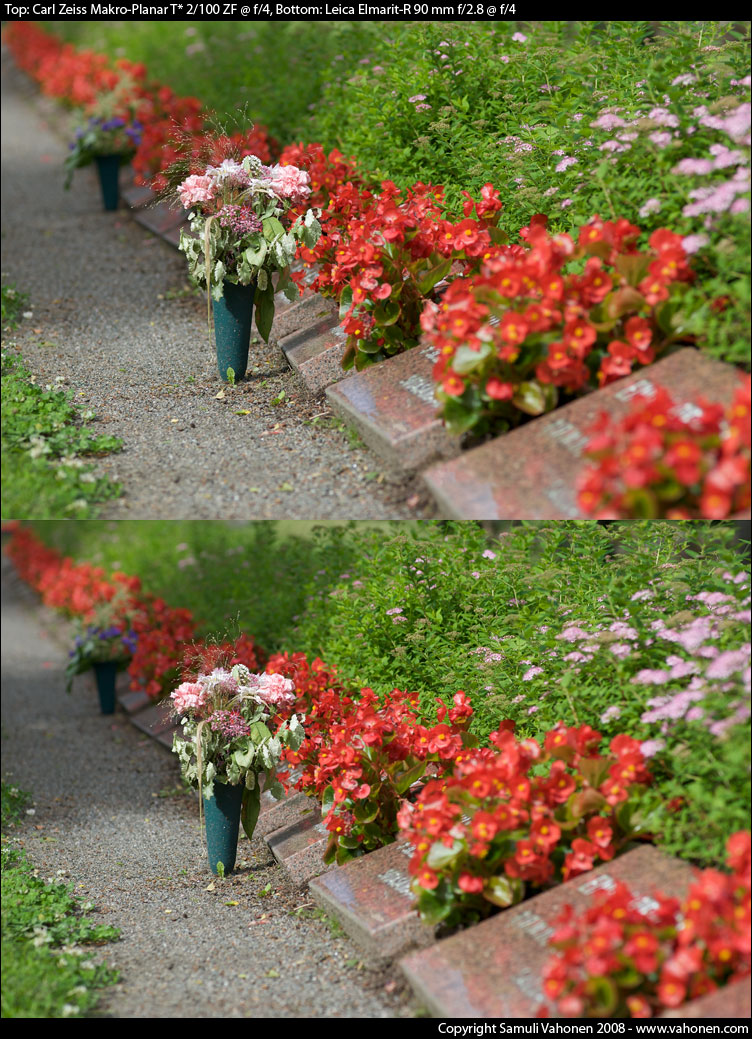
pixel 275 690
pixel 290 182
pixel 196 188
pixel 189 696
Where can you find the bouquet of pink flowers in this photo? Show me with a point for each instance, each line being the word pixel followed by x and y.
pixel 230 732
pixel 240 229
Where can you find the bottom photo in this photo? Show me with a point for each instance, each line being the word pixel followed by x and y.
pixel 486 771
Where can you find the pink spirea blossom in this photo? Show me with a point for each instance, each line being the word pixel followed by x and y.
pixel 692 243
pixel 531 673
pixel 651 747
pixel 729 663
pixel 609 713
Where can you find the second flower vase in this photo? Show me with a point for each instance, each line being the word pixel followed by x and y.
pixel 108 168
pixel 233 315
pixel 105 672
pixel 222 819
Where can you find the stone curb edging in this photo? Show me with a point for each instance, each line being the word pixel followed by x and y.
pixel 528 473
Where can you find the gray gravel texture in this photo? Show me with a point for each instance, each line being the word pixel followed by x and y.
pixel 112 317
pixel 110 817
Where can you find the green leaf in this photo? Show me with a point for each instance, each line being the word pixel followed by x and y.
pixel 503 891
pixel 387 313
pixel 412 775
pixel 272 228
pixel 249 812
pixel 430 906
pixel 345 301
pixel 365 811
pixel 458 418
pixel 467 360
pixel 286 285
pixel 432 277
pixel 264 302
pixel 256 257
pixel 535 398
pixel 440 856
pixel 327 802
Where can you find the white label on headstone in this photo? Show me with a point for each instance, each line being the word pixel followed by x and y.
pixel 687 412
pixel 529 984
pixel 642 387
pixel 559 494
pixel 431 353
pixel 602 883
pixel 534 926
pixel 399 882
pixel 567 434
pixel 420 387
pixel 645 904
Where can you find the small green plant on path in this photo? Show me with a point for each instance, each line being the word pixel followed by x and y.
pixel 13 303
pixel 47 444
pixel 45 971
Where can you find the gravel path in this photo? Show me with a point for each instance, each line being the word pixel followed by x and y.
pixel 109 813
pixel 111 316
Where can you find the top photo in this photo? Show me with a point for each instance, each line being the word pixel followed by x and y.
pixel 375 270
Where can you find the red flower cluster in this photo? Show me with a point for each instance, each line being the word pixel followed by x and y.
pixel 71 75
pixel 361 754
pixel 480 836
pixel 172 126
pixel 382 253
pixel 523 328
pixel 77 589
pixel 74 588
pixel 621 960
pixel 162 633
pixel 658 462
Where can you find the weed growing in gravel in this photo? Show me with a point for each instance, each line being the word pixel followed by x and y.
pixel 13 303
pixel 46 447
pixel 45 972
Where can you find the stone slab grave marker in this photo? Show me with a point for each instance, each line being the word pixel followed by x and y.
pixel 393 408
pixel 275 814
pixel 159 218
pixel 136 195
pixel 292 316
pixel 493 969
pixel 371 898
pixel 165 736
pixel 133 701
pixel 172 236
pixel 531 472
pixel 315 354
pixel 155 720
pixel 299 848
